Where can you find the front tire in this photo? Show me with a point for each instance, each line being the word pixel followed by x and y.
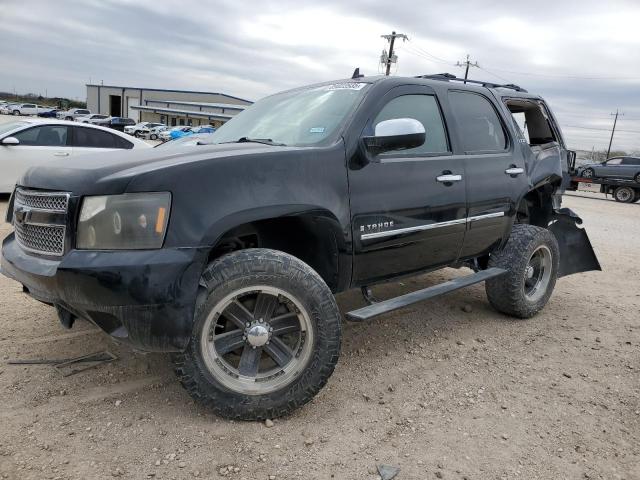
pixel 153 136
pixel 16 112
pixel 266 336
pixel 531 258
pixel 588 173
pixel 624 194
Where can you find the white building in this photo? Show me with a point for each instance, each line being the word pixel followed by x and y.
pixel 171 107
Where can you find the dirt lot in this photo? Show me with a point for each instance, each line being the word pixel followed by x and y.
pixel 435 390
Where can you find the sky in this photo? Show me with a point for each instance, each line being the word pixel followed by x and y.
pixel 581 56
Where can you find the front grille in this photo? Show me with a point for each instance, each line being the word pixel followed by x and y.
pixel 45 239
pixel 40 219
pixel 53 202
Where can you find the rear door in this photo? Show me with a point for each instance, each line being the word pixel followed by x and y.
pixel 87 140
pixel 494 174
pixel 406 216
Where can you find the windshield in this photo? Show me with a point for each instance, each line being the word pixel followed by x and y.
pixel 7 127
pixel 297 118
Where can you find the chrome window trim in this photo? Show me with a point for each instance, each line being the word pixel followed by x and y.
pixel 430 226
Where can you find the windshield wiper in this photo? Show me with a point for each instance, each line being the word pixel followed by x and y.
pixel 264 141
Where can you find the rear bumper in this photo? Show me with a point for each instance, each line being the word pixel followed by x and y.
pixel 146 297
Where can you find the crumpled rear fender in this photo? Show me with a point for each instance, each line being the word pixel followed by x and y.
pixel 576 252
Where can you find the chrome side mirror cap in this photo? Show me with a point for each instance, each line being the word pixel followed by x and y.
pixel 396 134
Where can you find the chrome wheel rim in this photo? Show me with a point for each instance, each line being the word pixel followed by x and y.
pixel 537 273
pixel 257 340
pixel 588 173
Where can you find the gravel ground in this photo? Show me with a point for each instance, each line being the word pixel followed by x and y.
pixel 449 389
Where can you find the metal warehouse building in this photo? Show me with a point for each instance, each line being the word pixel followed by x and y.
pixel 171 107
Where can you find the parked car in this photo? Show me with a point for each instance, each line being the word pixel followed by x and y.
pixel 120 123
pixel 53 113
pixel 94 118
pixel 196 139
pixel 28 109
pixel 615 167
pixel 153 133
pixel 175 132
pixel 141 128
pixel 230 258
pixel 203 129
pixel 6 108
pixel 72 113
pixel 29 142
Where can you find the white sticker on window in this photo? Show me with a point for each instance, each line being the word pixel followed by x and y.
pixel 347 86
pixel 316 130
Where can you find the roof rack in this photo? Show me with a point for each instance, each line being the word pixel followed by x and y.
pixel 448 77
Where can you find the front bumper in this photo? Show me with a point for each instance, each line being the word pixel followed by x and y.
pixel 143 297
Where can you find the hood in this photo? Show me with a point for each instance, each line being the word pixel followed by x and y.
pixel 111 172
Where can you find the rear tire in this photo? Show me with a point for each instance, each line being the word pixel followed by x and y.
pixel 153 136
pixel 531 258
pixel 624 194
pixel 248 293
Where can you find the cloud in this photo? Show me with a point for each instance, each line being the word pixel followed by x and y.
pixel 580 55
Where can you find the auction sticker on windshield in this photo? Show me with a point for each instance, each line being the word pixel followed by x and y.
pixel 347 86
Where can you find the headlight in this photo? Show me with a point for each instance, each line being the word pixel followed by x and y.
pixel 130 221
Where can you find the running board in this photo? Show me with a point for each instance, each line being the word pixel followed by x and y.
pixel 370 311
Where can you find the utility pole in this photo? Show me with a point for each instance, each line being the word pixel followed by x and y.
pixel 615 120
pixel 388 59
pixel 467 63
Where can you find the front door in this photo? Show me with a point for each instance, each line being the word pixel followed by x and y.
pixel 38 145
pixel 408 209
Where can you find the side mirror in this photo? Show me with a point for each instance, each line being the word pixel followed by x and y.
pixel 10 141
pixel 396 134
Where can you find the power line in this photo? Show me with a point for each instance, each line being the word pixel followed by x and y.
pixel 601 129
pixel 536 74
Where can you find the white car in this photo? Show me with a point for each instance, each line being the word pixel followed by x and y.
pixel 165 135
pixel 28 109
pixel 72 113
pixel 30 142
pixel 6 108
pixel 152 133
pixel 94 118
pixel 140 128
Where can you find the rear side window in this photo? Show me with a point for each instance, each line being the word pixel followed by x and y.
pixel 45 136
pixel 94 138
pixel 479 127
pixel 425 109
pixel 631 161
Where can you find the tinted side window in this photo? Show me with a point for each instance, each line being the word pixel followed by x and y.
pixel 122 142
pixel 480 128
pixel 45 136
pixel 631 161
pixel 423 108
pixel 89 137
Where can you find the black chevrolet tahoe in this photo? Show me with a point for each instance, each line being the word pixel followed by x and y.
pixel 228 253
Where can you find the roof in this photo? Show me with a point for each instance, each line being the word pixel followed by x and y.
pixel 227 106
pixel 188 113
pixel 167 90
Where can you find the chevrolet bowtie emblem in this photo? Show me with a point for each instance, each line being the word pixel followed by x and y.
pixel 20 214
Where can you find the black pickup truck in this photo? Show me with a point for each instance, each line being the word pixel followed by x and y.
pixel 229 254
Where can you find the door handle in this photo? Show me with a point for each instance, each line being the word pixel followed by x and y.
pixel 61 154
pixel 448 178
pixel 514 171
